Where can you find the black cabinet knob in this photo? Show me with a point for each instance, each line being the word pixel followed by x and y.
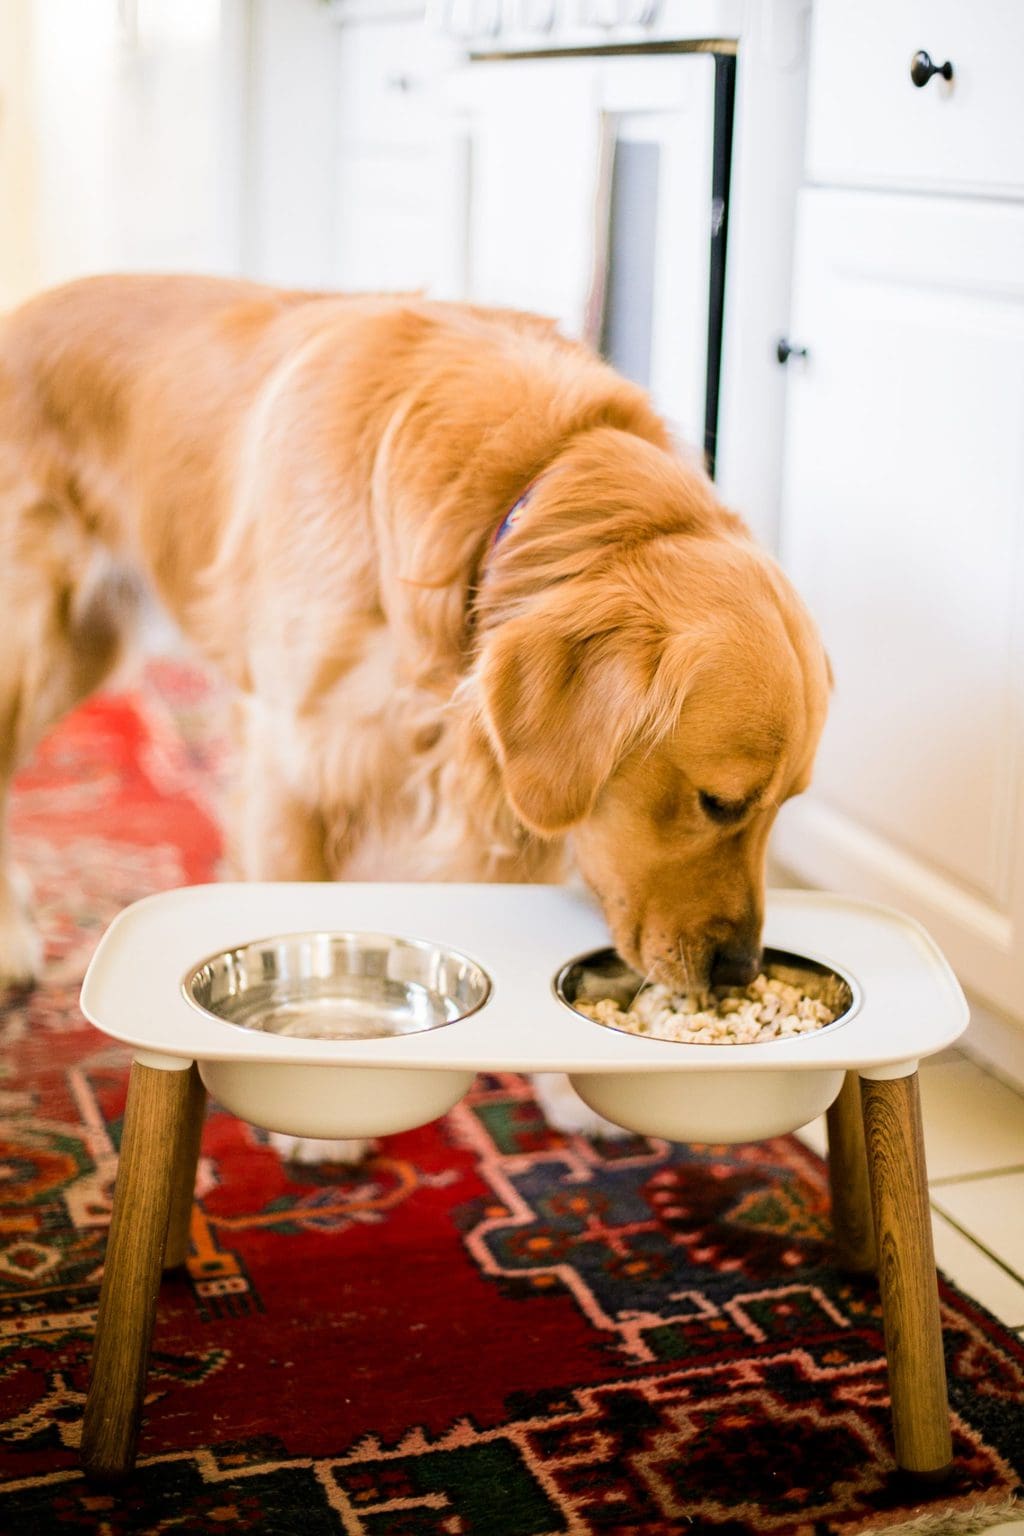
pixel 787 349
pixel 923 66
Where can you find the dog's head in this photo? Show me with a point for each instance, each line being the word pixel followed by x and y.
pixel 658 703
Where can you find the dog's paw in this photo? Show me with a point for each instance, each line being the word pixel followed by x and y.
pixel 21 949
pixel 308 1149
pixel 565 1111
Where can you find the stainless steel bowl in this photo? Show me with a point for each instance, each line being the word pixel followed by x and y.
pixel 603 973
pixel 338 986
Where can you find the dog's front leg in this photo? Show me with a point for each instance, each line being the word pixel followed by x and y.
pixel 21 949
pixel 275 832
pixel 278 835
pixel 565 1111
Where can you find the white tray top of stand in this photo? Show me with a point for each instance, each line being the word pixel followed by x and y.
pixel 907 1003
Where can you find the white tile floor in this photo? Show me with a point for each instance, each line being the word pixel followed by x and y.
pixel 974 1145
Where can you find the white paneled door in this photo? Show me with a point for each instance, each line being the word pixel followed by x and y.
pixel 903 526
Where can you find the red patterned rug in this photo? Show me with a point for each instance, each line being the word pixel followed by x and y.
pixel 487 1329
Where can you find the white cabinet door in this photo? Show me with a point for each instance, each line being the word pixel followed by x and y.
pixel 394 218
pixel 351 181
pixel 903 525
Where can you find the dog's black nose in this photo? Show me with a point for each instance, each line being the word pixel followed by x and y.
pixel 734 967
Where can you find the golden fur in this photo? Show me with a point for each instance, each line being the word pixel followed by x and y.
pixel 312 485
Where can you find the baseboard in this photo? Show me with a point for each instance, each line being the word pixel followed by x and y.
pixel 995 1042
pixel 977 934
pixel 992 1040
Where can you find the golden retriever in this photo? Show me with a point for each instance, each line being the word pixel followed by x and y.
pixel 319 489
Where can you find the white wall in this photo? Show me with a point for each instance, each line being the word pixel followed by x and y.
pixel 121 143
pixel 18 246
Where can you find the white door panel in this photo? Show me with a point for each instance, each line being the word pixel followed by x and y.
pixel 535 166
pixel 677 250
pixel 589 198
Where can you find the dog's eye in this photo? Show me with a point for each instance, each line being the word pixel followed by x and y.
pixel 721 810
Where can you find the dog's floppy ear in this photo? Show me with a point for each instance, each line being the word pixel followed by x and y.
pixel 558 712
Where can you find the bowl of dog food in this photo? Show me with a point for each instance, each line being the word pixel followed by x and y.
pixel 336 986
pixel 793 997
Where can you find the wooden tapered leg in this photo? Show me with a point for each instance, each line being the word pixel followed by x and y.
pixel 906 1274
pixel 852 1223
pixel 183 1177
pixel 154 1124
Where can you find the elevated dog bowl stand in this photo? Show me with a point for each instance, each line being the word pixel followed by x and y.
pixel 863 1071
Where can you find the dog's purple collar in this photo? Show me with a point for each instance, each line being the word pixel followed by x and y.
pixel 511 516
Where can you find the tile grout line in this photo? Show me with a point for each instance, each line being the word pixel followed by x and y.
pixel 1001 1263
pixel 972 1178
pixel 1014 1084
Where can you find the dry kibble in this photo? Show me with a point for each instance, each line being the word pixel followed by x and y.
pixel 768 1009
